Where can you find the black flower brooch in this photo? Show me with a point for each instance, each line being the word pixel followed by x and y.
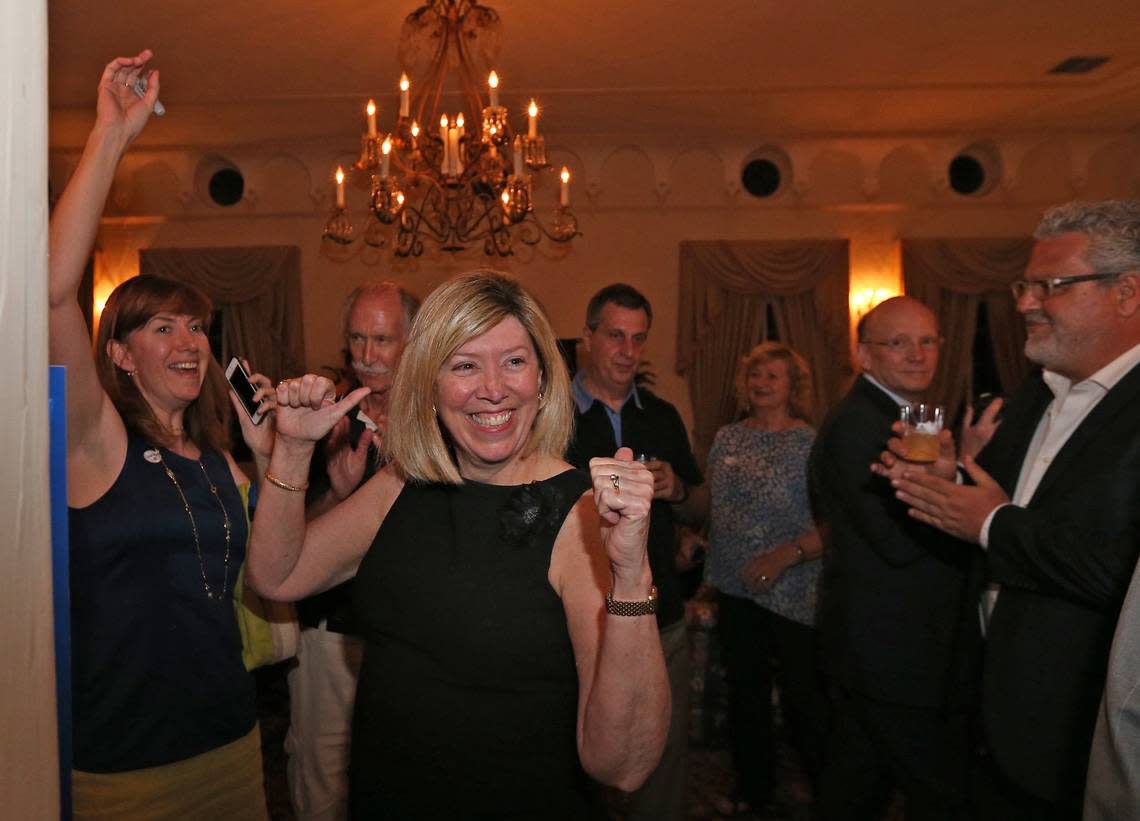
pixel 530 511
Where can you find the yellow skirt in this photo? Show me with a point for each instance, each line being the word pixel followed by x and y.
pixel 225 783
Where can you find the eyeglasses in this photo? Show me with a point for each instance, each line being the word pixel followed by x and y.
pixel 1042 289
pixel 904 344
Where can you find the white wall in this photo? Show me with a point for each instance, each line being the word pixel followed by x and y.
pixel 28 758
pixel 635 204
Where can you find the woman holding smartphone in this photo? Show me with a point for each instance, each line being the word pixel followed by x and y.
pixel 164 719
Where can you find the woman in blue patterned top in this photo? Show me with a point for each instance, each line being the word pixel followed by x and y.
pixel 763 559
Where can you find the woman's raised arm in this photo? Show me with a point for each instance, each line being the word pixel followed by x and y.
pixel 623 689
pixel 120 116
pixel 290 558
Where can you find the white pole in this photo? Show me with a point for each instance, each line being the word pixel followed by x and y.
pixel 28 754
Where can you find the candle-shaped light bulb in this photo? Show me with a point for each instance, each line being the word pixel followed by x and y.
pixel 445 161
pixel 459 124
pixel 564 193
pixel 505 197
pixel 386 150
pixel 518 163
pixel 339 187
pixel 493 85
pixel 415 129
pixel 405 95
pixel 455 168
pixel 370 109
pixel 532 117
pixel 399 197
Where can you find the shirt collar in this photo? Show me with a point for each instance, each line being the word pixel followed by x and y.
pixel 898 399
pixel 584 399
pixel 1105 379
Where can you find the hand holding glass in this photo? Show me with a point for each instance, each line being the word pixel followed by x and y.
pixel 922 424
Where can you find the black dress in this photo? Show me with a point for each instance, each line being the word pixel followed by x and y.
pixel 467 701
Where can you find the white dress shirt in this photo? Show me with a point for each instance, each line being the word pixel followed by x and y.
pixel 1071 404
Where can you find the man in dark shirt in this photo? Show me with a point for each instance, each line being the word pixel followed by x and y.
pixel 322 687
pixel 613 412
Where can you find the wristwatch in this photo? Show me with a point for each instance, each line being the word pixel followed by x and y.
pixel 645 607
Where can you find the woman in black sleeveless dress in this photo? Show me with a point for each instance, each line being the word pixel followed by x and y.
pixel 508 653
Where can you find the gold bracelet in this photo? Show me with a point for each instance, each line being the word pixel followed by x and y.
pixel 273 480
pixel 644 607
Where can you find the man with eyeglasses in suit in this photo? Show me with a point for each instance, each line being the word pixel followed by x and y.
pixel 891 596
pixel 1054 503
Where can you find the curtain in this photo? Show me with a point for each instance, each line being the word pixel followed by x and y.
pixel 258 290
pixel 954 276
pixel 727 288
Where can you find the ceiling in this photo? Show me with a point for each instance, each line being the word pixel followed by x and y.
pixel 251 71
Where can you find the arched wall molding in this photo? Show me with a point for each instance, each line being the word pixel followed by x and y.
pixel 592 178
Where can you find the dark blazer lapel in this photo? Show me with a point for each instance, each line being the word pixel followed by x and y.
pixel 876 396
pixel 1101 421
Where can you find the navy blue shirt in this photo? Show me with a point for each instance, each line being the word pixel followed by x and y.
pixel 157 667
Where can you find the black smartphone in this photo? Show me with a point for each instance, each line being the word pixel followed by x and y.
pixel 981 402
pixel 239 381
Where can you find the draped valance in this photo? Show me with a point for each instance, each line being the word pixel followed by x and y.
pixel 258 290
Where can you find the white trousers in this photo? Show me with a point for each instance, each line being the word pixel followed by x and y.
pixel 322 690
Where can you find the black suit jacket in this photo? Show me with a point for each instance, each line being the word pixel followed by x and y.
pixel 1064 563
pixel 892 589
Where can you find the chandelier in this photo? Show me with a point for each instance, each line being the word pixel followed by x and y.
pixel 453 179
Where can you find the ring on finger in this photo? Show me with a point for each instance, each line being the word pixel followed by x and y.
pixel 615 480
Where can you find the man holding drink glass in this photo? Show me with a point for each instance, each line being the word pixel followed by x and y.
pixel 892 594
pixel 1054 502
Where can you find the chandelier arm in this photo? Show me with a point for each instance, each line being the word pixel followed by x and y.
pixel 532 230
pixel 423 221
pixel 467 76
pixel 437 71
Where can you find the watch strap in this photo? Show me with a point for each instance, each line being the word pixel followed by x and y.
pixel 644 607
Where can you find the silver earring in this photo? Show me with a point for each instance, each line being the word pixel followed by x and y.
pixel 433 410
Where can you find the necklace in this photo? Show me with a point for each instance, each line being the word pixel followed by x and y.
pixel 194 526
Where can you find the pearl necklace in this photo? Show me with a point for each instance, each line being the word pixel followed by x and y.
pixel 194 526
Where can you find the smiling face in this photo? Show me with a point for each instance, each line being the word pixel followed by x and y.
pixel 769 386
pixel 169 355
pixel 486 396
pixel 1072 331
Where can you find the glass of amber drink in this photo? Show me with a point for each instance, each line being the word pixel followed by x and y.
pixel 923 423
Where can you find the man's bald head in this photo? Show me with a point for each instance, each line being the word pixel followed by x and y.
pixel 898 345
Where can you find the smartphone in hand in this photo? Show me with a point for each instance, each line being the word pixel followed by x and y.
pixel 245 389
pixel 981 402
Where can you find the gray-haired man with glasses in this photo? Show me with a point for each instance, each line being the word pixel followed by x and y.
pixel 1054 503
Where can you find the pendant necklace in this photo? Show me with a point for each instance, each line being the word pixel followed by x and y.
pixel 194 526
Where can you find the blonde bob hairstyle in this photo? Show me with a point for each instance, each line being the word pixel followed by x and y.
pixel 800 404
pixel 455 312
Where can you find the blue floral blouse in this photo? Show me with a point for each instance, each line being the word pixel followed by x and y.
pixel 760 501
